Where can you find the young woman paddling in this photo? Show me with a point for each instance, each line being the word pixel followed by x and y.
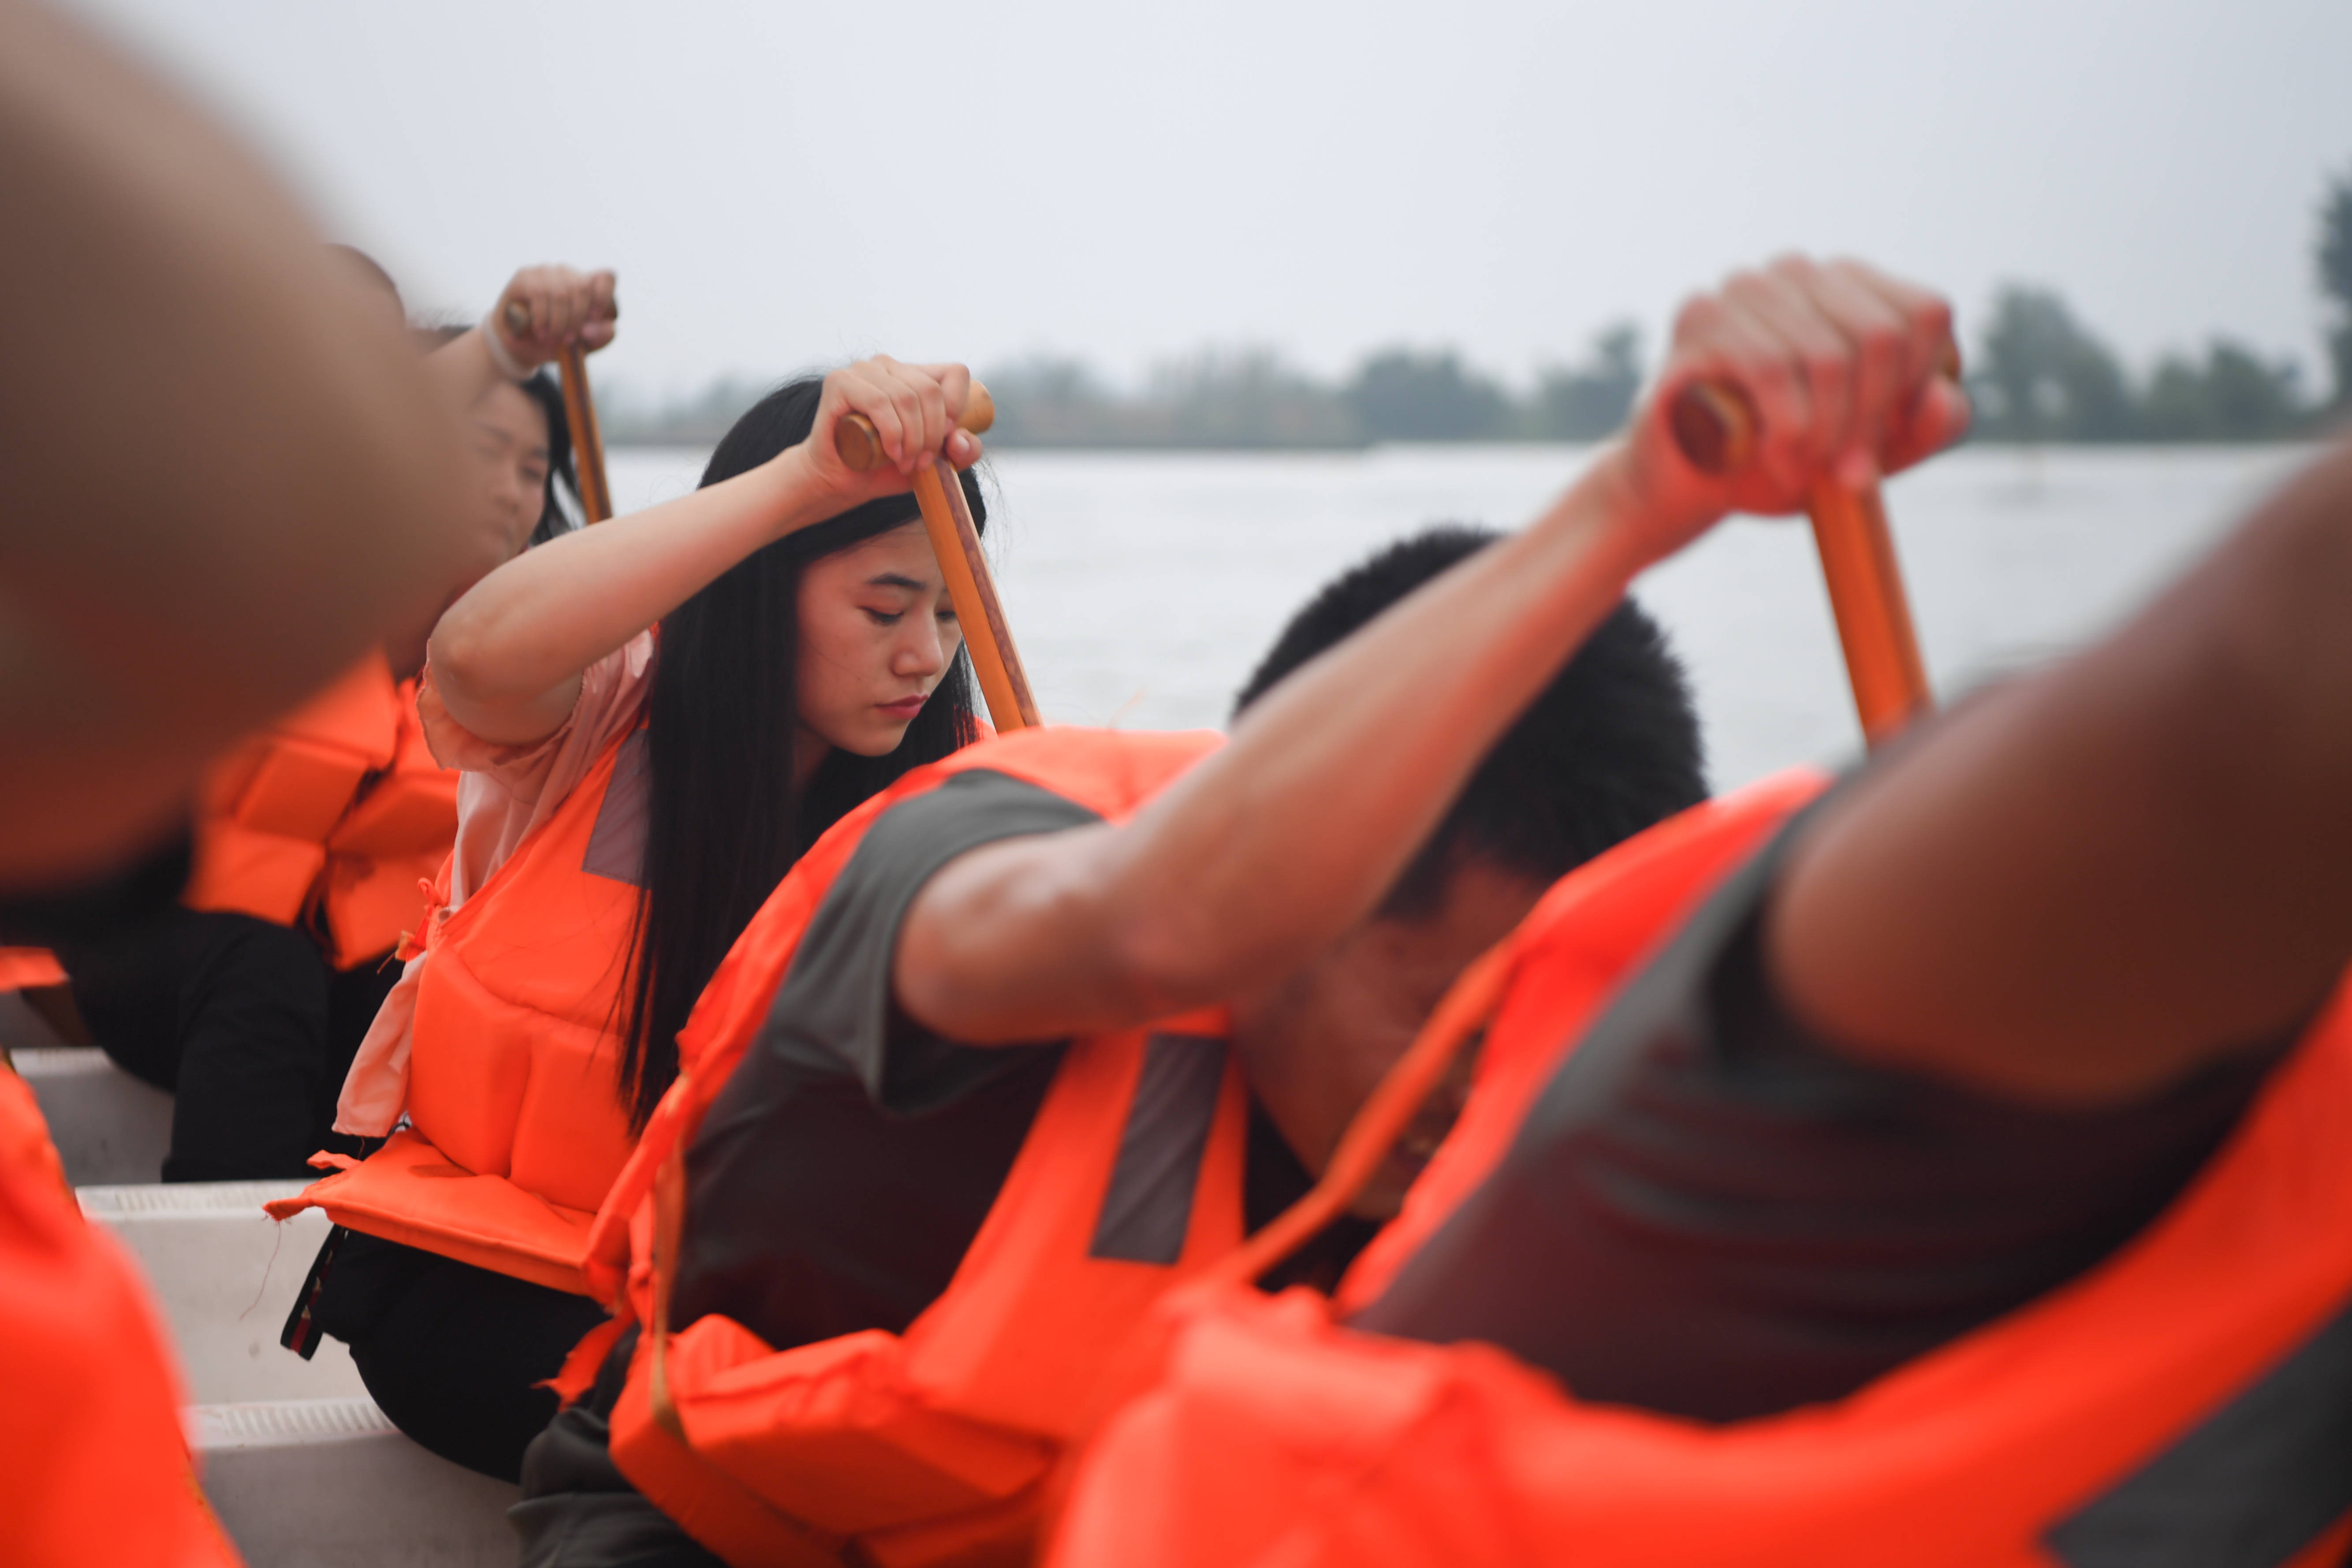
pixel 632 795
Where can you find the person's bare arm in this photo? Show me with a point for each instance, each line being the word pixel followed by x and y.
pixel 2083 885
pixel 221 471
pixel 1272 846
pixel 507 657
pixel 561 305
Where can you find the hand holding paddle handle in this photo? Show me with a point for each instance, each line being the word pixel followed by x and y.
pixel 1718 429
pixel 956 542
pixel 580 414
pixel 859 444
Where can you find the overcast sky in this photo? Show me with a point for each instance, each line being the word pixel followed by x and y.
pixel 780 186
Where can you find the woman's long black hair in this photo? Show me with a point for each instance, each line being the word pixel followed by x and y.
pixel 540 388
pixel 723 825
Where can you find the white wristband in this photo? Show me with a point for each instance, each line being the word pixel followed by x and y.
pixel 500 355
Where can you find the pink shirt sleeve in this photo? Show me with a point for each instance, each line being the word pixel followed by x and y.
pixel 506 791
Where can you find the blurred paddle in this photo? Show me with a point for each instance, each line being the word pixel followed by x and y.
pixel 1717 428
pixel 956 542
pixel 580 414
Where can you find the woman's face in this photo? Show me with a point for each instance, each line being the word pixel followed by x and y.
pixel 507 433
pixel 877 632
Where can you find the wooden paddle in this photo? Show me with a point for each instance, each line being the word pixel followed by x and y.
pixel 956 542
pixel 580 414
pixel 1718 428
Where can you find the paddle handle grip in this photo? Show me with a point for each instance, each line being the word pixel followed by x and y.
pixel 1718 429
pixel 579 415
pixel 859 446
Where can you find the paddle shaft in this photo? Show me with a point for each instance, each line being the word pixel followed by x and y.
pixel 955 541
pixel 579 415
pixel 1717 428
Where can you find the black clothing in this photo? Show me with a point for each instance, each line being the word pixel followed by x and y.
pixel 244 1020
pixel 1711 1212
pixel 112 900
pixel 451 1352
pixel 578 1510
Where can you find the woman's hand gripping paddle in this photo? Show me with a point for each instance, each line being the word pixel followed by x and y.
pixel 580 414
pixel 1717 426
pixel 956 542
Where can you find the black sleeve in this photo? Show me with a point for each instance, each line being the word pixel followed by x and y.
pixel 836 1011
pixel 1711 1212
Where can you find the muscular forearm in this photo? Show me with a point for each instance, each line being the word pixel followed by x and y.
pixel 2078 887
pixel 507 657
pixel 1275 844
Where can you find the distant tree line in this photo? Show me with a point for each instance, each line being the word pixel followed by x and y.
pixel 1252 398
pixel 1245 398
pixel 2041 375
pixel 2037 373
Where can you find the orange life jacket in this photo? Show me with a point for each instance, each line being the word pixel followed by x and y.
pixel 2132 1416
pixel 29 968
pixel 928 1447
pixel 516 1124
pixel 94 1468
pixel 332 816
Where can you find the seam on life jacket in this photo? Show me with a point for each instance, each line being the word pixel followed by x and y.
pixel 1148 1208
pixel 616 845
pixel 2251 1486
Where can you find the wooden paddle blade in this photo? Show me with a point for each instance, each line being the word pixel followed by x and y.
pixel 859 446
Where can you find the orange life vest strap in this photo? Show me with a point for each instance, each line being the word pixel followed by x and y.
pixel 1619 905
pixel 1722 829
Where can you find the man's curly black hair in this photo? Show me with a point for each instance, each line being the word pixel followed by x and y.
pixel 1610 747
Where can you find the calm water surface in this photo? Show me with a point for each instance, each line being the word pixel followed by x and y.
pixel 1143 588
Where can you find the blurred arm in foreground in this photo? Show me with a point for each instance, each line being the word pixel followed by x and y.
pixel 214 455
pixel 2175 872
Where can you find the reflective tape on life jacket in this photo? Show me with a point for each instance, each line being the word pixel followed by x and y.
pixel 2188 1401
pixel 29 968
pixel 931 1446
pixel 94 1468
pixel 516 1128
pixel 329 816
